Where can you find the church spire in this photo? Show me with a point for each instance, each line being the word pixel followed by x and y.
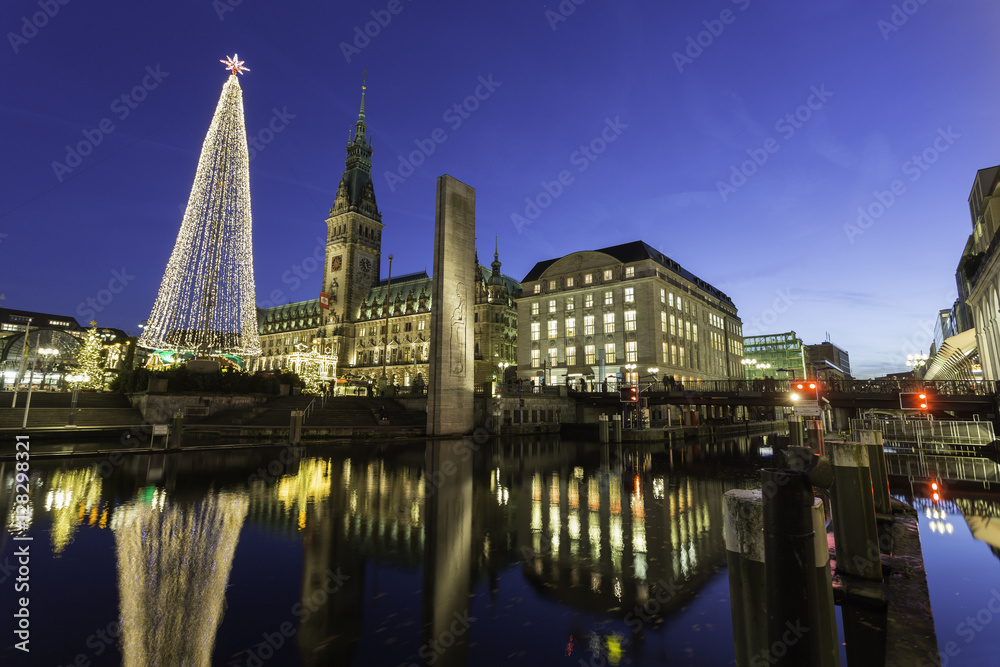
pixel 356 191
pixel 359 150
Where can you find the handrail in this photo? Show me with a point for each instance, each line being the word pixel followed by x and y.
pixel 305 413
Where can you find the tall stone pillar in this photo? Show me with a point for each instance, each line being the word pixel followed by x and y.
pixel 450 385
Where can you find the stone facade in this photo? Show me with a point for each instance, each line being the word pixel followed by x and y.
pixel 585 316
pixel 361 322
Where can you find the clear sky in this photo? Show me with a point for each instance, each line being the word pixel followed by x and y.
pixel 738 137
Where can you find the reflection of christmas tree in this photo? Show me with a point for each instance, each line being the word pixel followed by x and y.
pixel 206 299
pixel 88 360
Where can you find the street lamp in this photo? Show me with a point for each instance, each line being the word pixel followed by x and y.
pixel 630 368
pixel 47 353
pixel 916 362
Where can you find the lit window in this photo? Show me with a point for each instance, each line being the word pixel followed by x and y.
pixel 609 353
pixel 629 295
pixel 631 351
pixel 663 296
pixel 589 352
pixel 665 359
pixel 571 356
pixel 553 328
pixel 570 326
pixel 421 325
pixel 588 300
pixel 673 355
pixel 569 281
pixel 607 274
pixel 663 322
pixel 553 357
pixel 609 298
pixel 673 325
pixel 552 284
pixel 588 278
pixel 538 288
pixel 687 330
pixel 678 302
pixel 534 308
pixel 682 355
pixel 570 303
pixel 536 358
pixel 552 305
pixel 630 272
pixel 609 323
pixel 630 320
pixel 588 325
pixel 536 330
pixel 694 332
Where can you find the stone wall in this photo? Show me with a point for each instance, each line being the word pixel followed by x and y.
pixel 160 408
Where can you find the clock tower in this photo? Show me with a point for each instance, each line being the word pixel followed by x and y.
pixel 354 232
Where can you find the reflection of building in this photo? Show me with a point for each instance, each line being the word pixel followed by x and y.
pixel 173 566
pixel 360 322
pixel 589 313
pixel 781 354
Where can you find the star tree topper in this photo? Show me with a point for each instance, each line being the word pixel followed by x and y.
pixel 234 65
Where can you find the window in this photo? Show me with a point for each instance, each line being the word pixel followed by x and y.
pixel 421 325
pixel 631 351
pixel 570 303
pixel 553 357
pixel 663 296
pixel 534 308
pixel 665 358
pixel 538 288
pixel 552 284
pixel 629 295
pixel 609 323
pixel 569 281
pixel 588 300
pixel 589 352
pixel 663 322
pixel 609 298
pixel 361 333
pixel 673 355
pixel 588 325
pixel 553 328
pixel 607 274
pixel 629 320
pixel 588 278
pixel 570 326
pixel 536 330
pixel 571 356
pixel 630 272
pixel 609 353
pixel 536 358
pixel 694 332
pixel 552 305
pixel 673 325
pixel 408 326
pixel 678 302
pixel 682 355
pixel 687 330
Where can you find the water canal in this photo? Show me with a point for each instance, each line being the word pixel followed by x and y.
pixel 535 552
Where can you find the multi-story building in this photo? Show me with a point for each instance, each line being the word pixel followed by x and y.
pixel 827 361
pixel 778 355
pixel 361 325
pixel 618 312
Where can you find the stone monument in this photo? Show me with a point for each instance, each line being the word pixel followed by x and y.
pixel 450 388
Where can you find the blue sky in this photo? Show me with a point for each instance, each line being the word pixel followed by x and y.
pixel 740 138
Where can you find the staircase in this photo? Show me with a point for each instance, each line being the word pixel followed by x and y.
pixel 52 410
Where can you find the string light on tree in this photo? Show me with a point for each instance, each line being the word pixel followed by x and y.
pixel 87 362
pixel 206 299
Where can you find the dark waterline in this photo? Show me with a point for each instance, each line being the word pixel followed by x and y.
pixel 536 552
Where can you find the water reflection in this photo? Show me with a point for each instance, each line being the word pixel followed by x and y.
pixel 173 565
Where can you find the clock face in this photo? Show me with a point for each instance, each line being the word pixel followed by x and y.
pixel 365 264
pixel 336 263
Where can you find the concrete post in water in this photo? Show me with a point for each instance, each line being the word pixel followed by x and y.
pixel 790 558
pixel 824 625
pixel 743 522
pixel 295 428
pixel 177 432
pixel 602 427
pixel 854 527
pixel 795 437
pixel 616 421
pixel 879 472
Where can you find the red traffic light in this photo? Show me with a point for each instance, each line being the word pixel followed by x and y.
pixel 629 394
pixel 914 401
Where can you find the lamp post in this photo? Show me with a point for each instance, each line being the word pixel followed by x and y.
pixel 917 363
pixel 748 364
pixel 385 347
pixel 47 353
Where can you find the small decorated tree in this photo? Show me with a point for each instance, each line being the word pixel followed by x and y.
pixel 87 363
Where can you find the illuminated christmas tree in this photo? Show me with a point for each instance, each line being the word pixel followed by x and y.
pixel 206 301
pixel 87 362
